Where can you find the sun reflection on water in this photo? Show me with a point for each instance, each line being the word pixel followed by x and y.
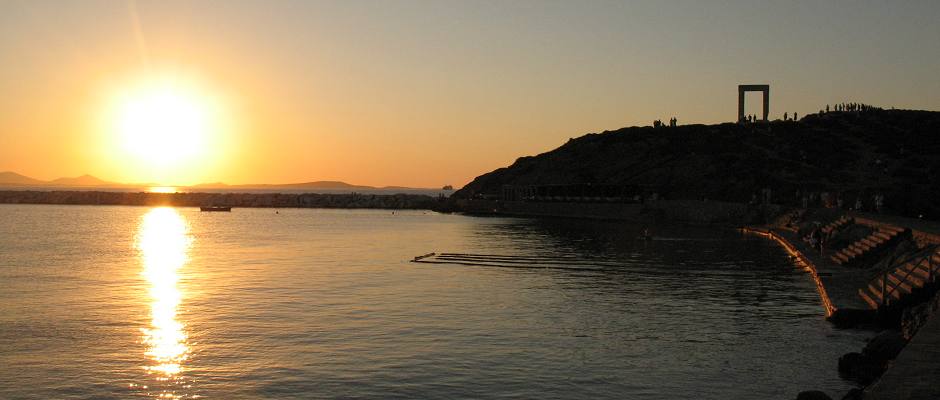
pixel 163 241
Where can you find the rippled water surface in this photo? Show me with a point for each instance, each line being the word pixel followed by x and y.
pixel 118 302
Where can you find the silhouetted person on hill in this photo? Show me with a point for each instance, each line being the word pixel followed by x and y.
pixel 827 108
pixel 785 116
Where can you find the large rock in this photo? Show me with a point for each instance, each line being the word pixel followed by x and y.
pixel 885 346
pixel 813 395
pixel 854 394
pixel 860 368
pixel 915 317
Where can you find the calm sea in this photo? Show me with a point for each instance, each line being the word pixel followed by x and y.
pixel 123 302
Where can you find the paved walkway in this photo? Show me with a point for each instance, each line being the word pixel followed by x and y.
pixel 915 374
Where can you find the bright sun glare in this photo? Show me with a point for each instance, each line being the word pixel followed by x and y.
pixel 163 124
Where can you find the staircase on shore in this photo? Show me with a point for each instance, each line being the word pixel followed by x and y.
pixel 862 249
pixel 893 285
pixel 834 226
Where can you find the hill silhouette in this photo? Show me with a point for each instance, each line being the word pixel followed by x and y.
pixel 856 155
pixel 84 180
pixel 13 178
pixel 333 185
pixel 302 185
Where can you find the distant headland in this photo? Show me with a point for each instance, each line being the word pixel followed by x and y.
pixel 863 158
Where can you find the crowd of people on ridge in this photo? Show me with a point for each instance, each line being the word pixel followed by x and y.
pixel 659 124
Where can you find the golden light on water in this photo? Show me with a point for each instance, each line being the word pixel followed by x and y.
pixel 162 189
pixel 164 241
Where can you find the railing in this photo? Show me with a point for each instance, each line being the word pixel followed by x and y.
pixel 920 256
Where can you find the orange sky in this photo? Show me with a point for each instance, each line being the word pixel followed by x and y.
pixel 426 93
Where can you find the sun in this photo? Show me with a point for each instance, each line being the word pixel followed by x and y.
pixel 163 124
pixel 165 129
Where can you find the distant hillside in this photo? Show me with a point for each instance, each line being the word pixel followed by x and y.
pixel 892 152
pixel 12 178
pixel 15 179
pixel 334 185
pixel 84 180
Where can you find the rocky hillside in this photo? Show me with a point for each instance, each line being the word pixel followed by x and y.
pixel 895 153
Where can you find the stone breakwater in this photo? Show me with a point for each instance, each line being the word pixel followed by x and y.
pixel 272 200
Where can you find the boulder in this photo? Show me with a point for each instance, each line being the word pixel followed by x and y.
pixel 885 346
pixel 854 394
pixel 813 395
pixel 860 367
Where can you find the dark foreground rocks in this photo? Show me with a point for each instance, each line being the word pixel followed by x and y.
pixel 868 365
pixel 915 317
pixel 813 395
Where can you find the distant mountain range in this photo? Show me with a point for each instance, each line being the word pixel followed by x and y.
pixel 15 179
pixel 10 178
pixel 302 185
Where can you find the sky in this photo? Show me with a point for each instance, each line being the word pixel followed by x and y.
pixel 418 93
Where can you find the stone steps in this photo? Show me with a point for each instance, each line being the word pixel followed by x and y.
pixel 899 283
pixel 922 272
pixel 875 291
pixel 837 224
pixel 902 281
pixel 913 276
pixel 883 235
pixel 866 245
pixel 839 258
pixel 868 300
pixel 891 228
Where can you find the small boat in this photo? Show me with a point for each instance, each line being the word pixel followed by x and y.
pixel 215 208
